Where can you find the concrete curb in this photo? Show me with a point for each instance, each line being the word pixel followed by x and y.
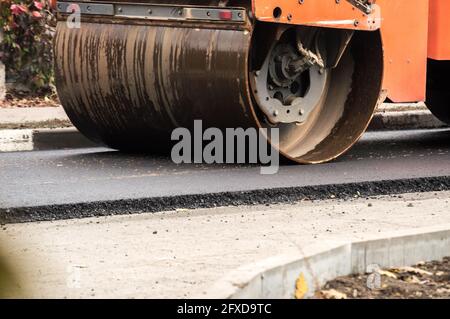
pixel 19 128
pixel 42 139
pixel 276 277
pixel 405 120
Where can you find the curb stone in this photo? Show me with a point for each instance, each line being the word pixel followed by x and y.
pixel 405 120
pixel 42 139
pixel 276 277
pixel 21 132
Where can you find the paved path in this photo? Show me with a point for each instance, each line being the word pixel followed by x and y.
pixel 182 254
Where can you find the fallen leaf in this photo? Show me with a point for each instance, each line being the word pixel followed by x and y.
pixel 442 291
pixel 301 287
pixel 387 274
pixel 412 270
pixel 413 280
pixel 333 294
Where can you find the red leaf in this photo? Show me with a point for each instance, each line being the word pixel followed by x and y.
pixel 18 9
pixel 36 14
pixel 38 5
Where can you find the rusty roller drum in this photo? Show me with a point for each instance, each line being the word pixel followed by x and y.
pixel 129 85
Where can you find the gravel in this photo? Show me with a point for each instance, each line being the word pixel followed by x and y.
pixel 426 280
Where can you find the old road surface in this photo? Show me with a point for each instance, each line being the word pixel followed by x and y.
pixel 51 185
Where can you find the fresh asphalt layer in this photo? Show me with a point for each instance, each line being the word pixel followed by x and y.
pixel 48 185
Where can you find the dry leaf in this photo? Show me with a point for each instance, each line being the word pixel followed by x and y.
pixel 442 291
pixel 412 270
pixel 413 280
pixel 301 287
pixel 333 294
pixel 387 274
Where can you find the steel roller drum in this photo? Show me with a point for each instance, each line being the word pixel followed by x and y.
pixel 130 85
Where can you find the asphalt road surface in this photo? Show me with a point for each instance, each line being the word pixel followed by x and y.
pixel 46 185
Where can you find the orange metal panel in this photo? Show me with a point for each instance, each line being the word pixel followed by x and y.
pixel 326 13
pixel 439 30
pixel 404 30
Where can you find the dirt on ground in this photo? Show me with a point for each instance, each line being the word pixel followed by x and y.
pixel 21 96
pixel 30 102
pixel 37 101
pixel 422 281
pixel 50 124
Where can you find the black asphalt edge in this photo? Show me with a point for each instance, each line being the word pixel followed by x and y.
pixel 253 197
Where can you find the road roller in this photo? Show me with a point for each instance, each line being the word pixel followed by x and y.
pixel 130 72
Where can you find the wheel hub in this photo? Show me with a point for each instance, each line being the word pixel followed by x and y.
pixel 288 87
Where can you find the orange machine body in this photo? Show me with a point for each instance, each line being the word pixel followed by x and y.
pixel 439 30
pixel 412 31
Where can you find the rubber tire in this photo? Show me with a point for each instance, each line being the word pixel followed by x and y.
pixel 438 89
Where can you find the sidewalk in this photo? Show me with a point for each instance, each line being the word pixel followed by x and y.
pixel 33 118
pixel 388 116
pixel 37 128
pixel 182 254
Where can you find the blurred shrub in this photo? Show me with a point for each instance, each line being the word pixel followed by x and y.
pixel 26 50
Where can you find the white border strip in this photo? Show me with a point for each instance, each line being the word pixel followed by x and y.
pixel 16 140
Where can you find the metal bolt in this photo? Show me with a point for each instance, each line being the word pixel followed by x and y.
pixel 289 17
pixel 119 9
pixel 275 113
pixel 301 112
pixel 150 11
